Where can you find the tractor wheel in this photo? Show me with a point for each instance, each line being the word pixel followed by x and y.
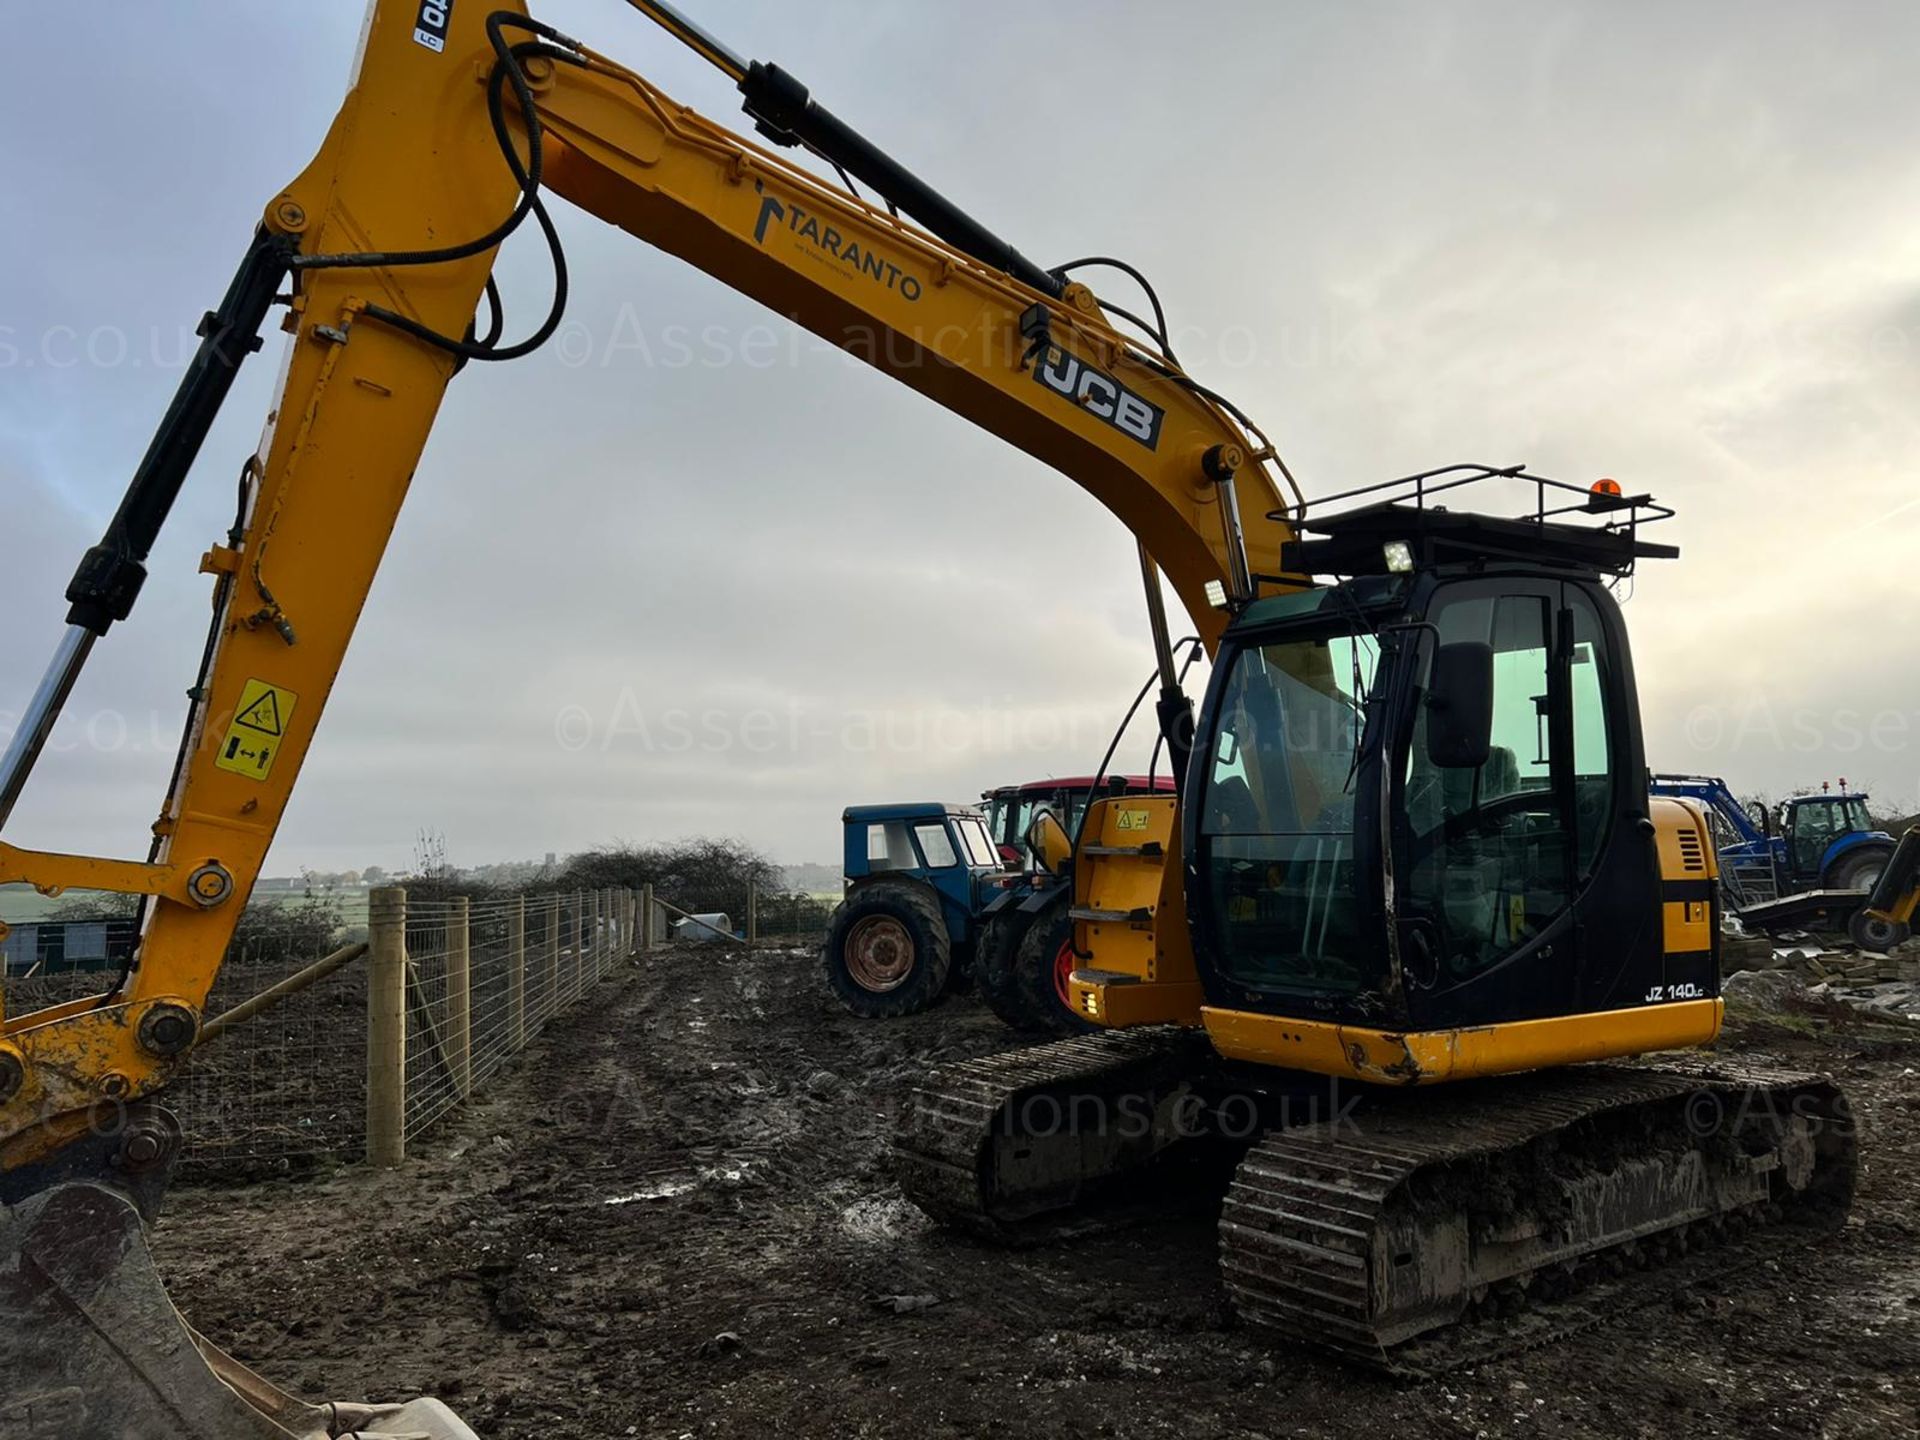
pixel 994 961
pixel 1044 962
pixel 887 951
pixel 1870 932
pixel 1858 870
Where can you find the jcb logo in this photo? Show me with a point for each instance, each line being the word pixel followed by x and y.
pixel 430 26
pixel 1098 393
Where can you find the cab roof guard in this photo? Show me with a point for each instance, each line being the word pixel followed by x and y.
pixel 1399 529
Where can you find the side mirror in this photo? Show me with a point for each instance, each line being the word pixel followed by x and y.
pixel 1460 705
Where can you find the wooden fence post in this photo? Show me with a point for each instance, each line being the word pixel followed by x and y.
pixel 627 910
pixel 517 972
pixel 579 925
pixel 387 1026
pixel 753 914
pixel 595 905
pixel 646 918
pixel 556 914
pixel 460 996
pixel 596 902
pixel 610 930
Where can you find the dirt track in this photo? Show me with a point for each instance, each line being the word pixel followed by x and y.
pixel 740 1123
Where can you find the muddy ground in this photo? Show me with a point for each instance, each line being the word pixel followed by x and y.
pixel 673 1217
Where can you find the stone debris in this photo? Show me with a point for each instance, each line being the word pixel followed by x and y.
pixel 904 1304
pixel 1820 959
pixel 1897 998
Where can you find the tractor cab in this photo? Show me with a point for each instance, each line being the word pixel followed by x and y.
pixel 945 847
pixel 1011 809
pixel 1830 841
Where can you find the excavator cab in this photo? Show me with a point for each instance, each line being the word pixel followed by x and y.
pixel 1418 806
pixel 1411 784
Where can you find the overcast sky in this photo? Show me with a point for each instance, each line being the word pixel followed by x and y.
pixel 636 597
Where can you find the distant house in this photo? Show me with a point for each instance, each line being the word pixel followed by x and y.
pixel 64 947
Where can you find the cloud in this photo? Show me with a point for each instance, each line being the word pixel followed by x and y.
pixel 1637 242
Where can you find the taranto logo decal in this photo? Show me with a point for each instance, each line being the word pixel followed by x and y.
pixel 830 244
pixel 1098 393
pixel 430 26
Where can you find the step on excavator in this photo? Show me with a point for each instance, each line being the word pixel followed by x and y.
pixel 1412 857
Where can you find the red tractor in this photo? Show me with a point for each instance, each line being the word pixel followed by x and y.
pixel 1011 808
pixel 1024 951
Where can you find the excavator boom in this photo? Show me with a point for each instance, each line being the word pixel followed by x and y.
pixel 466 138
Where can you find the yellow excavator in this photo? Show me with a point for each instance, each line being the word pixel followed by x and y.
pixel 1413 844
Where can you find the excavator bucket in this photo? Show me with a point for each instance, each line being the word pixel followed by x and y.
pixel 90 1345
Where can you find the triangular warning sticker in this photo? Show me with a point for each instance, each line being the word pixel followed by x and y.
pixel 263 714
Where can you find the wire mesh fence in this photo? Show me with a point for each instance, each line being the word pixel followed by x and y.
pixel 742 911
pixel 793 917
pixel 484 977
pixel 287 1090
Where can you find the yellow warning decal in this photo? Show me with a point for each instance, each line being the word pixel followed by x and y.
pixel 259 722
pixel 1131 819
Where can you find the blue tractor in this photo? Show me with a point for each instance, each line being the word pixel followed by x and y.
pixel 1824 842
pixel 917 878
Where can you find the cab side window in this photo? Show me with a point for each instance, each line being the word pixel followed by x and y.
pixel 888 847
pixel 1593 765
pixel 937 846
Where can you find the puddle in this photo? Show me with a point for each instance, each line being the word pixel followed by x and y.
pixel 658 1190
pixel 670 1186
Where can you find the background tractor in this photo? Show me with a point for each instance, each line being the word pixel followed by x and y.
pixel 1815 859
pixel 1010 808
pixel 917 876
pixel 942 896
pixel 1811 842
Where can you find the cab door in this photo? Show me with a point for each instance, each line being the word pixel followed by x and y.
pixel 1528 886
